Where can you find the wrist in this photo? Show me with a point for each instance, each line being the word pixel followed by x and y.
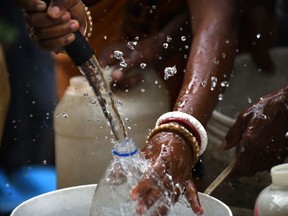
pixel 190 123
pixel 81 13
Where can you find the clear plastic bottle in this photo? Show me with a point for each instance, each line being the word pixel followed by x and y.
pixel 273 200
pixel 112 193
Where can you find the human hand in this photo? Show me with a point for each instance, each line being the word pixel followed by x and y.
pixel 260 135
pixel 52 27
pixel 171 157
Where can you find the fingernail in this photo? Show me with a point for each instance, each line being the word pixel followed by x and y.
pixel 74 26
pixel 70 38
pixel 54 11
pixel 66 17
pixel 41 6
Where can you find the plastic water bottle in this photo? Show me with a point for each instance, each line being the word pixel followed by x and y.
pixel 126 169
pixel 273 200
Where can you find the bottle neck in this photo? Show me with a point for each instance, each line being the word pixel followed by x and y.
pixel 279 175
pixel 124 148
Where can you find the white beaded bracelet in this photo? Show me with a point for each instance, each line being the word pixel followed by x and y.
pixel 196 127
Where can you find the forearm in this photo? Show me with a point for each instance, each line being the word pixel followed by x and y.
pixel 210 62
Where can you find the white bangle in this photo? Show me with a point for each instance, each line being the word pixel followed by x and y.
pixel 189 121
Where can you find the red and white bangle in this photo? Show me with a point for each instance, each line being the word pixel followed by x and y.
pixel 191 123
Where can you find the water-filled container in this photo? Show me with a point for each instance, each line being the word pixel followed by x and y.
pixel 82 136
pixel 75 201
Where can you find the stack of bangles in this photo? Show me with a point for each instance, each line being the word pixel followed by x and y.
pixel 89 25
pixel 188 127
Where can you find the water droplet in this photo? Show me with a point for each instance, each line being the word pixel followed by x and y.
pixel 169 71
pixel 143 65
pixel 156 82
pixel 168 39
pixel 220 97
pixel 123 63
pixel 131 44
pixel 204 83
pixel 225 84
pixel 216 61
pixel 119 102
pixel 242 149
pixel 64 115
pixel 93 101
pixel 263 116
pixel 142 90
pixel 118 54
pixel 85 94
pixel 153 7
pixel 213 83
pixel 286 135
pixel 165 45
pixel 223 55
pixel 227 41
pixel 105 37
pixel 136 38
pixel 258 35
pixel 183 38
pixel 44 162
pixel 249 100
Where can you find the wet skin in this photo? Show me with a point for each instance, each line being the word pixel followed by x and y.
pixel 260 135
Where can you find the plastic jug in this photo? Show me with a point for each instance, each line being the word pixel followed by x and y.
pixel 82 137
pixel 273 200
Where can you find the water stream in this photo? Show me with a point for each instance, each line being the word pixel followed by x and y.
pixel 94 74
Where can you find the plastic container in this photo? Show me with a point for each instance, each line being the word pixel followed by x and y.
pixel 82 137
pixel 125 171
pixel 76 201
pixel 273 200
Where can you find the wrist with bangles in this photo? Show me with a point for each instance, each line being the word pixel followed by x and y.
pixel 187 126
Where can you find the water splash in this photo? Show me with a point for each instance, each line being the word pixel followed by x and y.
pixel 213 83
pixel 169 72
pixel 131 44
pixel 118 54
pixel 143 65
pixel 165 45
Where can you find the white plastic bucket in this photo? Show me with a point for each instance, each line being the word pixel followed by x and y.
pixel 76 201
